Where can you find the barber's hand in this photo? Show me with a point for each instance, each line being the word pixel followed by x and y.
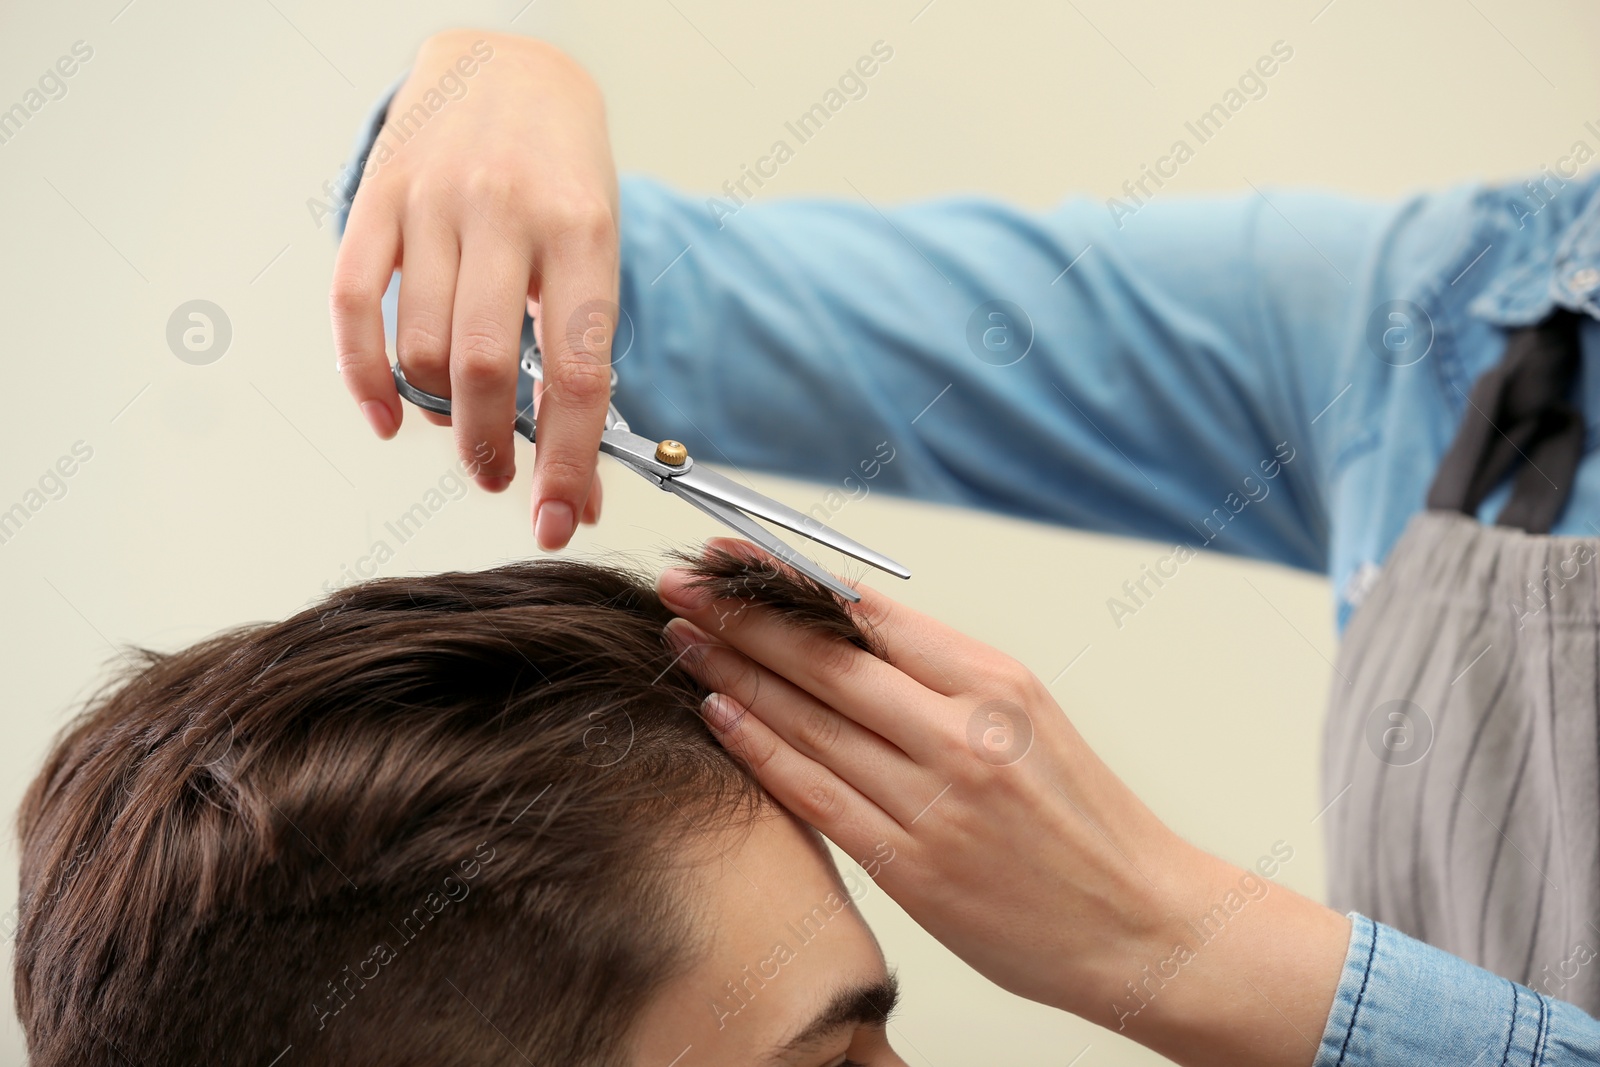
pixel 500 198
pixel 951 774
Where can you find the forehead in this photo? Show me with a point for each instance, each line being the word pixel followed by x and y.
pixel 781 935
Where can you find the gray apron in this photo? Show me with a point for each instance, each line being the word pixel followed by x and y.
pixel 1462 760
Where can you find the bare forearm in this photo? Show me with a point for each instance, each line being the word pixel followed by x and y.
pixel 1242 973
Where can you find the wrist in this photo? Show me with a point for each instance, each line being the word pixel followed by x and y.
pixel 1151 922
pixel 1220 965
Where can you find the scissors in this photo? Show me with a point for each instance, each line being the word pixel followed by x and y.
pixel 669 465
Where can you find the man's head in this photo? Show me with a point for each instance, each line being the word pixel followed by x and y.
pixel 463 819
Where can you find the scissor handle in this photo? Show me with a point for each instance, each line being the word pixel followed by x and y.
pixel 440 405
pixel 426 401
pixel 533 367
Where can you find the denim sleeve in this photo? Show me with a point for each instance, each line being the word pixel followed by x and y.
pixel 1158 374
pixel 1401 1003
pixel 1155 380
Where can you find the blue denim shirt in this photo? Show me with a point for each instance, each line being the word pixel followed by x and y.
pixel 1270 374
pixel 1402 1003
pixel 1273 374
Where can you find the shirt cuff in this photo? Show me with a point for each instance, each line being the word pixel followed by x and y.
pixel 1401 1002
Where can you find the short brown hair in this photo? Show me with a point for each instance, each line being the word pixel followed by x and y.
pixel 428 820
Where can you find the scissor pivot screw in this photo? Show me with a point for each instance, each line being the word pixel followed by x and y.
pixel 672 453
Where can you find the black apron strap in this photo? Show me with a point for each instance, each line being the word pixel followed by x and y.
pixel 1519 414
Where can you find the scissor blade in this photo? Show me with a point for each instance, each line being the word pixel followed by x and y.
pixel 763 537
pixel 716 487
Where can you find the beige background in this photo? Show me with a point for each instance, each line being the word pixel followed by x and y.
pixel 179 164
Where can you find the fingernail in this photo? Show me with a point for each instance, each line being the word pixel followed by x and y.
pixel 494 483
pixel 675 591
pixel 721 712
pixel 553 525
pixel 686 638
pixel 378 417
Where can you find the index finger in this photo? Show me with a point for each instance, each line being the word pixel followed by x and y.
pixel 939 656
pixel 578 304
pixel 869 691
pixel 361 274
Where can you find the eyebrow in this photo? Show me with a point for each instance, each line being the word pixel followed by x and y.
pixel 854 1005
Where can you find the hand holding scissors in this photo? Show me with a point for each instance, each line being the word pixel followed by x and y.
pixel 669 465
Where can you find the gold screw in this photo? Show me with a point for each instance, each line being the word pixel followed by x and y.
pixel 672 453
